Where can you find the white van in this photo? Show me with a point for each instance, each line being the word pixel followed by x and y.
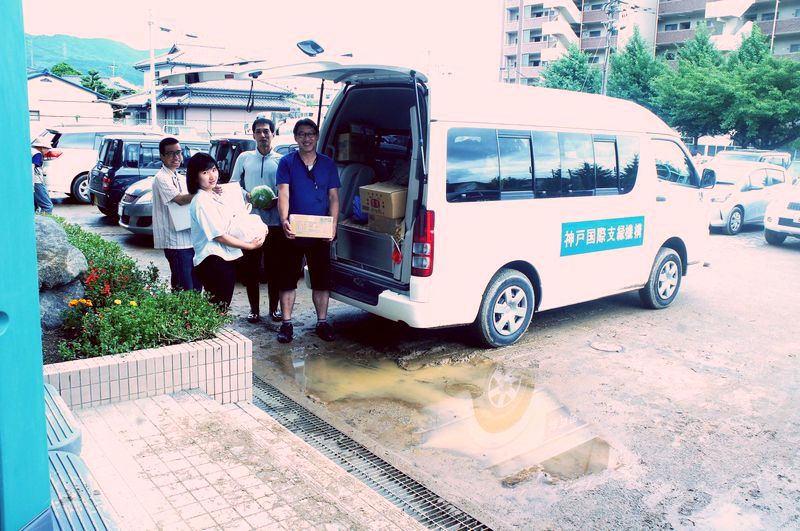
pixel 519 199
pixel 73 154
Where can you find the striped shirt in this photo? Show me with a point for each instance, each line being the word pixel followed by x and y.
pixel 166 185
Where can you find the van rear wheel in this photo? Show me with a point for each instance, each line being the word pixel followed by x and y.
pixel 80 189
pixel 665 280
pixel 506 309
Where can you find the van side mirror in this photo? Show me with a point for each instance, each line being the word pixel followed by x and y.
pixel 709 178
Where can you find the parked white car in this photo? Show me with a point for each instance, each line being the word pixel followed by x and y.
pixel 782 218
pixel 742 193
pixel 73 154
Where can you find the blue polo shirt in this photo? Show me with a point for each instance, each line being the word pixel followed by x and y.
pixel 308 189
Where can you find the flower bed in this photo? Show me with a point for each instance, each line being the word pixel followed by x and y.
pixel 125 308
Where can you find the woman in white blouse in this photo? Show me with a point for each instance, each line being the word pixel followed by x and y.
pixel 215 249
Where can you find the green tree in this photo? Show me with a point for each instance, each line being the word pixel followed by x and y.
pixel 93 82
pixel 633 71
pixel 692 97
pixel 765 111
pixel 753 49
pixel 64 69
pixel 572 71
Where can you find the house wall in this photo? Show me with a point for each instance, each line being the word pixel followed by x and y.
pixel 59 103
pixel 205 122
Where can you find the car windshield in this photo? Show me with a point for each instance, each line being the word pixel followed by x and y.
pixel 738 155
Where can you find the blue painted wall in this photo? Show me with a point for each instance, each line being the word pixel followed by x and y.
pixel 24 483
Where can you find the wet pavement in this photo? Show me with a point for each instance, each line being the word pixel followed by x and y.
pixel 604 415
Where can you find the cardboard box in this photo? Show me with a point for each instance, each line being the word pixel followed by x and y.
pixel 311 226
pixel 352 147
pixel 393 226
pixel 384 199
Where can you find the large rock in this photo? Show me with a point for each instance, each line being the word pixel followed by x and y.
pixel 54 301
pixel 59 261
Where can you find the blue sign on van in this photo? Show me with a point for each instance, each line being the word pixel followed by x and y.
pixel 582 237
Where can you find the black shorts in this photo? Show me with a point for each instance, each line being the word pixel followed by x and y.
pixel 318 260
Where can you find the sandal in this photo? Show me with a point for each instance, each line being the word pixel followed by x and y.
pixel 253 317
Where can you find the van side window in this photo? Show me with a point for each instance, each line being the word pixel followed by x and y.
pixel 472 165
pixel 516 179
pixel 150 157
pixel 605 167
pixel 131 159
pixel 577 164
pixel 546 165
pixel 628 153
pixel 673 165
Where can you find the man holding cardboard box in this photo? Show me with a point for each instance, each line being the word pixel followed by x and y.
pixel 308 187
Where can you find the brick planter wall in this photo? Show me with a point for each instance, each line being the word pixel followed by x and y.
pixel 222 367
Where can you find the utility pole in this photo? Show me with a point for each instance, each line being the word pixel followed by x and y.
pixel 612 9
pixel 774 24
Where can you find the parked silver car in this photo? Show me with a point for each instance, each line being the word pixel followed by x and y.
pixel 742 193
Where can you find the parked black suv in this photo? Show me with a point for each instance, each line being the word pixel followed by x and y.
pixel 225 150
pixel 125 160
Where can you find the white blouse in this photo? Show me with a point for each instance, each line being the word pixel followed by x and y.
pixel 210 218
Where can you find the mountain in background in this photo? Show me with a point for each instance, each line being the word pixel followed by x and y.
pixel 44 51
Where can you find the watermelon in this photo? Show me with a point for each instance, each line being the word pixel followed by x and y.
pixel 262 196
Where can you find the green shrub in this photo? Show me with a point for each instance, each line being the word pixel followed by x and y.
pixel 126 308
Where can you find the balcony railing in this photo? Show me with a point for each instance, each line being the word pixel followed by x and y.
pixel 596 43
pixel 533 23
pixel 676 7
pixel 533 47
pixel 782 27
pixel 673 37
pixel 594 16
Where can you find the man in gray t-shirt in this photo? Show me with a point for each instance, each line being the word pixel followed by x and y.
pixel 258 168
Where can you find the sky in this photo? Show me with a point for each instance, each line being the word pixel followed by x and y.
pixel 459 36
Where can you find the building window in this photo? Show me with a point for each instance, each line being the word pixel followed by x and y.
pixel 192 77
pixel 513 15
pixel 594 33
pixel 797 13
pixel 752 17
pixel 534 60
pixel 594 59
pixel 35 116
pixel 512 38
pixel 793 48
pixel 597 7
pixel 769 16
pixel 685 25
pixel 670 27
pixel 534 35
pixel 511 61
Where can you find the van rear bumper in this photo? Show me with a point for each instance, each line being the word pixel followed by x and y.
pixel 398 307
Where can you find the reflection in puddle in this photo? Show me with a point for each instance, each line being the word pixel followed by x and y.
pixel 496 416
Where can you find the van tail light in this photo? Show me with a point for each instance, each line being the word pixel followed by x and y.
pixel 106 182
pixel 422 247
pixel 52 154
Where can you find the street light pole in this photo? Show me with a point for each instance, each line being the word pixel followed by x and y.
pixel 153 105
pixel 611 8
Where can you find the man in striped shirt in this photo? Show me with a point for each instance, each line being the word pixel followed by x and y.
pixel 170 187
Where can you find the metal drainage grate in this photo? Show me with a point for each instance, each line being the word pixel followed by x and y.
pixel 410 496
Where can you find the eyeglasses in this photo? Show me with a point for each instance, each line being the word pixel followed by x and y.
pixel 173 154
pixel 306 135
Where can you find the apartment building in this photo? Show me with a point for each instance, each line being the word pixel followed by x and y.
pixel 536 32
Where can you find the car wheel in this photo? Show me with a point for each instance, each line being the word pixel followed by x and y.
pixel 506 309
pixel 664 282
pixel 80 189
pixel 735 221
pixel 774 238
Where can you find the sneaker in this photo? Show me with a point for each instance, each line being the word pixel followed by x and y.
pixel 325 331
pixel 253 317
pixel 286 333
pixel 276 316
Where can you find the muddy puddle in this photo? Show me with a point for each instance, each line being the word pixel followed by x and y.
pixel 498 417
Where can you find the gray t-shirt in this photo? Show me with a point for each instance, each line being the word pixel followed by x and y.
pixel 259 170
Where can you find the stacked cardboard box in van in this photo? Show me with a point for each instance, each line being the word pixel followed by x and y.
pixel 386 205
